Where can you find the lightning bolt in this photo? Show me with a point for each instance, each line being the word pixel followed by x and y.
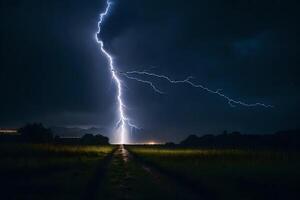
pixel 123 121
pixel 188 80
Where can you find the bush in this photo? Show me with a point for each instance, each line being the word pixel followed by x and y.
pixel 90 139
pixel 36 132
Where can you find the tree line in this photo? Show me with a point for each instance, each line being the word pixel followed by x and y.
pixel 38 133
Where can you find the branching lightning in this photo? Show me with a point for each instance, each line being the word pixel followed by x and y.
pixel 124 122
pixel 188 80
pixel 144 81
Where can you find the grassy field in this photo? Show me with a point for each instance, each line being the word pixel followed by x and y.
pixel 41 171
pixel 226 173
pixel 65 172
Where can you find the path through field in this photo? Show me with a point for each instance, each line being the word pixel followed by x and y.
pixel 128 178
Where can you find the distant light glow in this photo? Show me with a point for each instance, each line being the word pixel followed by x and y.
pixel 151 143
pixel 8 131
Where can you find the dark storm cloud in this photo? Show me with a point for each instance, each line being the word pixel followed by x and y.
pixel 248 48
pixel 50 64
pixel 51 68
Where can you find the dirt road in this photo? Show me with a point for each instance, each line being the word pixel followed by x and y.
pixel 128 178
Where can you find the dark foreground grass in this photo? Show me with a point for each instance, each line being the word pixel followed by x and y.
pixel 74 172
pixel 41 171
pixel 229 174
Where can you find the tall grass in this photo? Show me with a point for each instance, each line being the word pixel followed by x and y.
pixel 227 171
pixel 46 171
pixel 50 149
pixel 34 156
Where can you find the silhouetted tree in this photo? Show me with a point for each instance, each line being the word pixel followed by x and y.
pixel 36 132
pixel 170 144
pixel 90 139
pixel 289 139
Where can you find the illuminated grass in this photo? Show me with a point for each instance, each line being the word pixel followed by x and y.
pixel 230 173
pixel 42 171
pixel 50 149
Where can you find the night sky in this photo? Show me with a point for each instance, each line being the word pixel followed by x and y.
pixel 52 70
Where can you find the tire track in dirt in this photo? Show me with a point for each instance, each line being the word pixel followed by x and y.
pixel 170 187
pixel 195 190
pixel 97 181
pixel 124 176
